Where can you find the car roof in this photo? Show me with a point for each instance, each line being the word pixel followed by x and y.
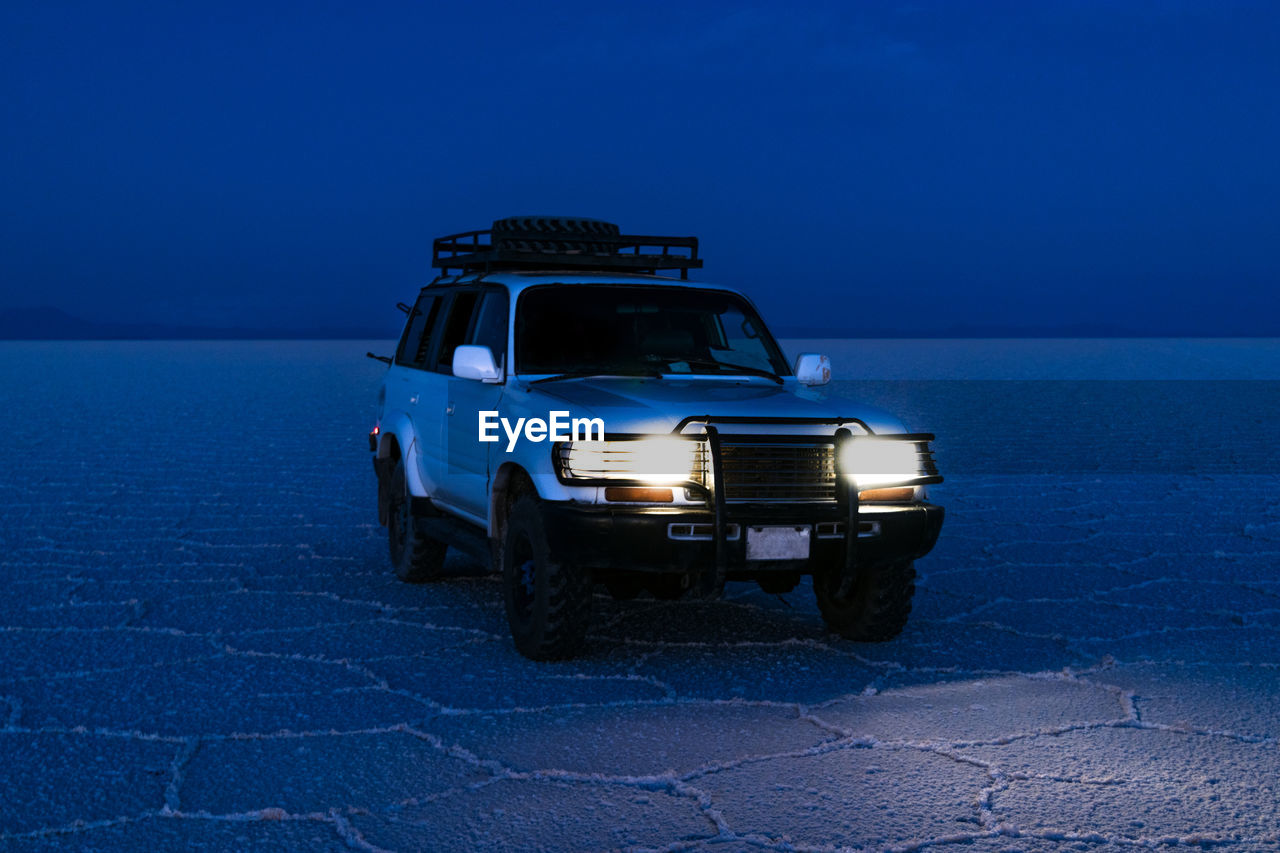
pixel 518 280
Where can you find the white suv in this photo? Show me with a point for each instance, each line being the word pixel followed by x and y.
pixel 557 407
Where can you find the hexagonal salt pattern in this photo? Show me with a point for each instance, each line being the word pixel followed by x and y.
pixel 201 646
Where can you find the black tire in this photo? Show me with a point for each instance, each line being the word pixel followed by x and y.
pixel 548 603
pixel 877 607
pixel 558 234
pixel 416 557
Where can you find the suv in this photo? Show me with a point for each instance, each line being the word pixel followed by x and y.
pixel 558 408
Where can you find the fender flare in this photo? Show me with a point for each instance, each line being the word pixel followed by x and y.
pixel 396 430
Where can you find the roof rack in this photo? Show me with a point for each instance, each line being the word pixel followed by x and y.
pixel 562 243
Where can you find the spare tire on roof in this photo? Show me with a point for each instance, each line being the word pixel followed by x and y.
pixel 553 234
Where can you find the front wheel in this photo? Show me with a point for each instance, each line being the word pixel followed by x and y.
pixel 416 556
pixel 548 603
pixel 875 609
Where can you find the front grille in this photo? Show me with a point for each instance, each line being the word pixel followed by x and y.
pixel 778 473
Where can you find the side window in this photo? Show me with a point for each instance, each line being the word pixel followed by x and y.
pixel 416 341
pixel 455 329
pixel 491 325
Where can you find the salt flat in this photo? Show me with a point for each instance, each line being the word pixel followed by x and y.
pixel 202 645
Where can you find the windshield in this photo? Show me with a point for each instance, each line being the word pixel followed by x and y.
pixel 634 329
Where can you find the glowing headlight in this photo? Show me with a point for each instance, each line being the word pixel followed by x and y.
pixel 662 461
pixel 872 462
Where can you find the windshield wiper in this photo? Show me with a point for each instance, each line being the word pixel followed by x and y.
pixel 741 368
pixel 600 371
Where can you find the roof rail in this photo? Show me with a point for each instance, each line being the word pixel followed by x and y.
pixel 562 243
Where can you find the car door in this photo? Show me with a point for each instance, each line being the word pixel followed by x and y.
pixel 470 461
pixel 408 381
pixel 452 319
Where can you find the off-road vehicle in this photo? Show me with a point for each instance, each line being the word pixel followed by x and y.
pixel 557 407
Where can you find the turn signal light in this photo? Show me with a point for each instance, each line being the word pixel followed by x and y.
pixel 636 494
pixel 901 494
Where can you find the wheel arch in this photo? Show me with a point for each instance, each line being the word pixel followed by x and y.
pixel 509 481
pixel 397 440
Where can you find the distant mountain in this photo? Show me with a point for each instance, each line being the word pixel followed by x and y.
pixel 1074 330
pixel 53 324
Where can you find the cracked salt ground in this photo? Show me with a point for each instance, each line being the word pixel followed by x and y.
pixel 211 653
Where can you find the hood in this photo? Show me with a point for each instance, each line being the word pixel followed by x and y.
pixel 652 405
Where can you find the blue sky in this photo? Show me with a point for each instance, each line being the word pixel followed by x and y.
pixel 862 165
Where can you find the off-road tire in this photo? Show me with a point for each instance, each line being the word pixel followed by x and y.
pixel 548 603
pixel 416 557
pixel 877 607
pixel 556 234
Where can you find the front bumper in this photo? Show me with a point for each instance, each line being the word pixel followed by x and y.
pixel 843 534
pixel 639 539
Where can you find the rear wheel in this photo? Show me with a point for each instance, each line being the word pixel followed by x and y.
pixel 415 556
pixel 877 606
pixel 548 603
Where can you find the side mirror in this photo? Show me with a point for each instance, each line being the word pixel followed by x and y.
pixel 811 368
pixel 472 362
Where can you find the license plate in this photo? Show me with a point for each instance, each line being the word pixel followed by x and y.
pixel 778 543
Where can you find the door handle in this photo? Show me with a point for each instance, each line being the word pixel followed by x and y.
pixel 449 409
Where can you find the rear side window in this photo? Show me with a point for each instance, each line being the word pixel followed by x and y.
pixel 415 344
pixel 491 324
pixel 455 329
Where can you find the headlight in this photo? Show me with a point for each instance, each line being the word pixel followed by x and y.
pixel 871 462
pixel 661 461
